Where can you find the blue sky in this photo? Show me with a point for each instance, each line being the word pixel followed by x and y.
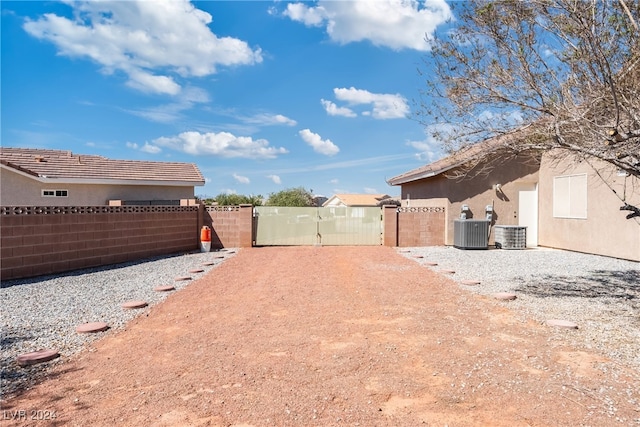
pixel 261 95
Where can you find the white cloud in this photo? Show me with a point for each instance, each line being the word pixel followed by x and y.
pixel 146 148
pixel 348 164
pixel 426 152
pixel 275 178
pixel 383 105
pixel 310 16
pixel 269 119
pixel 223 144
pixel 146 82
pixel 171 112
pixel 318 144
pixel 334 181
pixel 430 148
pixel 369 190
pixel 396 24
pixel 241 179
pixel 152 42
pixel 161 114
pixel 333 110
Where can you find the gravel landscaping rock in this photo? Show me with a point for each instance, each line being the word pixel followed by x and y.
pixel 44 312
pixel 599 294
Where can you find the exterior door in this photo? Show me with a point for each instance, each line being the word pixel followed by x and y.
pixel 528 212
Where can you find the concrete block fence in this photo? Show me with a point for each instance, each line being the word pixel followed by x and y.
pixel 36 241
pixel 231 226
pixel 421 226
pixel 45 240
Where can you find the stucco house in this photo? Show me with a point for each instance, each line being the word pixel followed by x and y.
pixel 580 205
pixel 37 177
pixel 353 205
pixel 355 200
pixel 563 204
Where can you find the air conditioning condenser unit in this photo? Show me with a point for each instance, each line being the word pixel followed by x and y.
pixel 471 233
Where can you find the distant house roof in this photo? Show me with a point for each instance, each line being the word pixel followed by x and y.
pixel 357 199
pixel 65 167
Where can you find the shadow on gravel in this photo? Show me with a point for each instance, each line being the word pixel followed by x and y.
pixel 623 285
pixel 13 377
pixel 10 339
pixel 83 271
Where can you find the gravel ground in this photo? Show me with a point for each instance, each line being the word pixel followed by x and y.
pixel 600 294
pixel 43 312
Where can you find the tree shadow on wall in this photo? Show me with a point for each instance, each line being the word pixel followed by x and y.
pixel 621 285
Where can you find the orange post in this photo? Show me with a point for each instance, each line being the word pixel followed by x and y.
pixel 205 239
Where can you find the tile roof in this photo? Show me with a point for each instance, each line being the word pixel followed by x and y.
pixel 359 199
pixel 65 166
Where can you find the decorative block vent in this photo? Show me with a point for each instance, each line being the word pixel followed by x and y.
pixel 420 209
pixel 83 210
pixel 223 208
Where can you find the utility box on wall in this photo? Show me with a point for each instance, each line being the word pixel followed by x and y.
pixel 471 233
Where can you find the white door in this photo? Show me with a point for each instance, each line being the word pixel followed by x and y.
pixel 528 212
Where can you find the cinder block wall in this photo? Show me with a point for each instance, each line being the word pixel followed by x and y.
pixel 421 226
pixel 231 226
pixel 46 240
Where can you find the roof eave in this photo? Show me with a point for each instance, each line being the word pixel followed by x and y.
pixel 63 180
pixel 4 164
pixel 400 181
pixel 425 175
pixel 168 183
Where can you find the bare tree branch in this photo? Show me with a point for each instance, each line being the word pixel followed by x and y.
pixel 631 18
pixel 569 68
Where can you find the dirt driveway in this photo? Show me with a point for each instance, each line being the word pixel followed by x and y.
pixel 324 336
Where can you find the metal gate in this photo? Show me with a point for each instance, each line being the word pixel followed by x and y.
pixel 329 226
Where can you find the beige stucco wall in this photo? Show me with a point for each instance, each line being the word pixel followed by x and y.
pixel 477 193
pixel 605 231
pixel 335 203
pixel 19 190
